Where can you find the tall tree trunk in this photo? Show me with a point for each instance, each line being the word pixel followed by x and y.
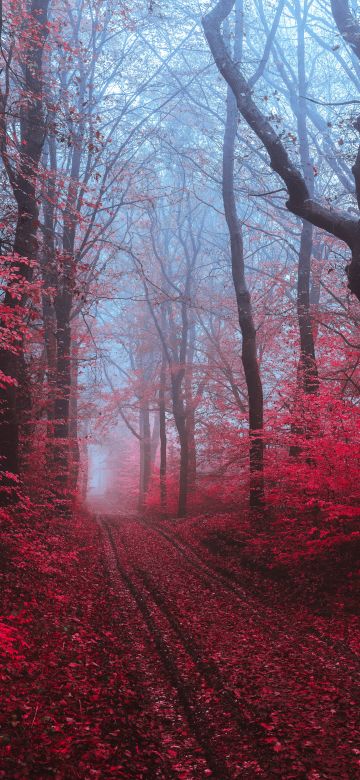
pixel 190 408
pixel 341 224
pixel 84 462
pixel 63 389
pixel 49 319
pixel 84 470
pixel 247 327
pixel 307 379
pixel 24 182
pixel 190 424
pixel 155 433
pixel 320 255
pixel 162 425
pixel 307 373
pixel 145 453
pixel 307 364
pixel 50 282
pixel 180 422
pixel 73 423
pixel 63 307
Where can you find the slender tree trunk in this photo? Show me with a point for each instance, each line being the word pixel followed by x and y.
pixel 50 281
pixel 247 327
pixel 63 389
pixel 155 433
pixel 181 426
pixel 49 318
pixel 320 252
pixel 190 421
pixel 147 449
pixel 145 453
pixel 307 373
pixel 73 423
pixel 162 425
pixel 84 470
pixel 190 408
pixel 63 307
pixel 177 373
pixel 307 362
pixel 338 223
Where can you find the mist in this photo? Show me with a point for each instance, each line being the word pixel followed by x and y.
pixel 179 388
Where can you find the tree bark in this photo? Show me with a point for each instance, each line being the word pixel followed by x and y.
pixel 145 453
pixel 162 425
pixel 340 224
pixel 50 281
pixel 307 369
pixel 308 379
pixel 155 438
pixel 179 412
pixel 73 423
pixel 63 305
pixel 247 327
pixel 63 309
pixel 190 408
pixel 177 373
pixel 23 181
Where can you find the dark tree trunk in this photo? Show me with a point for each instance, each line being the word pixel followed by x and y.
pixel 308 374
pixel 63 389
pixel 145 453
pixel 190 424
pixel 73 424
pixel 50 281
pixel 249 354
pixel 23 181
pixel 162 425
pixel 63 308
pixel 341 224
pixel 190 409
pixel 50 345
pixel 177 373
pixel 181 427
pixel 84 471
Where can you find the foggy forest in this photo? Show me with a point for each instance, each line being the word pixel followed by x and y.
pixel 179 389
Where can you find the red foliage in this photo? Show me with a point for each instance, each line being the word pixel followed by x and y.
pixel 141 650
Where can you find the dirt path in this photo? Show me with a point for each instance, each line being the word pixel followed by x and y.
pixel 226 684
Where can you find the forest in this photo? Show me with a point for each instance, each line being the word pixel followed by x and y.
pixel 179 389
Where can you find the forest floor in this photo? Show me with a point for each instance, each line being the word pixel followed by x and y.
pixel 149 648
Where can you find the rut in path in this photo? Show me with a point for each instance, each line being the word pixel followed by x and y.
pixel 250 694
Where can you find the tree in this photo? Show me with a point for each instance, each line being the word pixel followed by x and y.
pixel 340 224
pixel 22 84
pixel 246 322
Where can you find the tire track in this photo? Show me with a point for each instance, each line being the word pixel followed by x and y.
pixel 136 738
pixel 237 703
pixel 248 720
pixel 195 716
pixel 231 583
pixel 247 717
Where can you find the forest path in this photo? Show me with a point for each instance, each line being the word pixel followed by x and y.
pixel 223 683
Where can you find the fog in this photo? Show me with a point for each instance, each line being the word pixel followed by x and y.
pixel 179 389
pixel 189 222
